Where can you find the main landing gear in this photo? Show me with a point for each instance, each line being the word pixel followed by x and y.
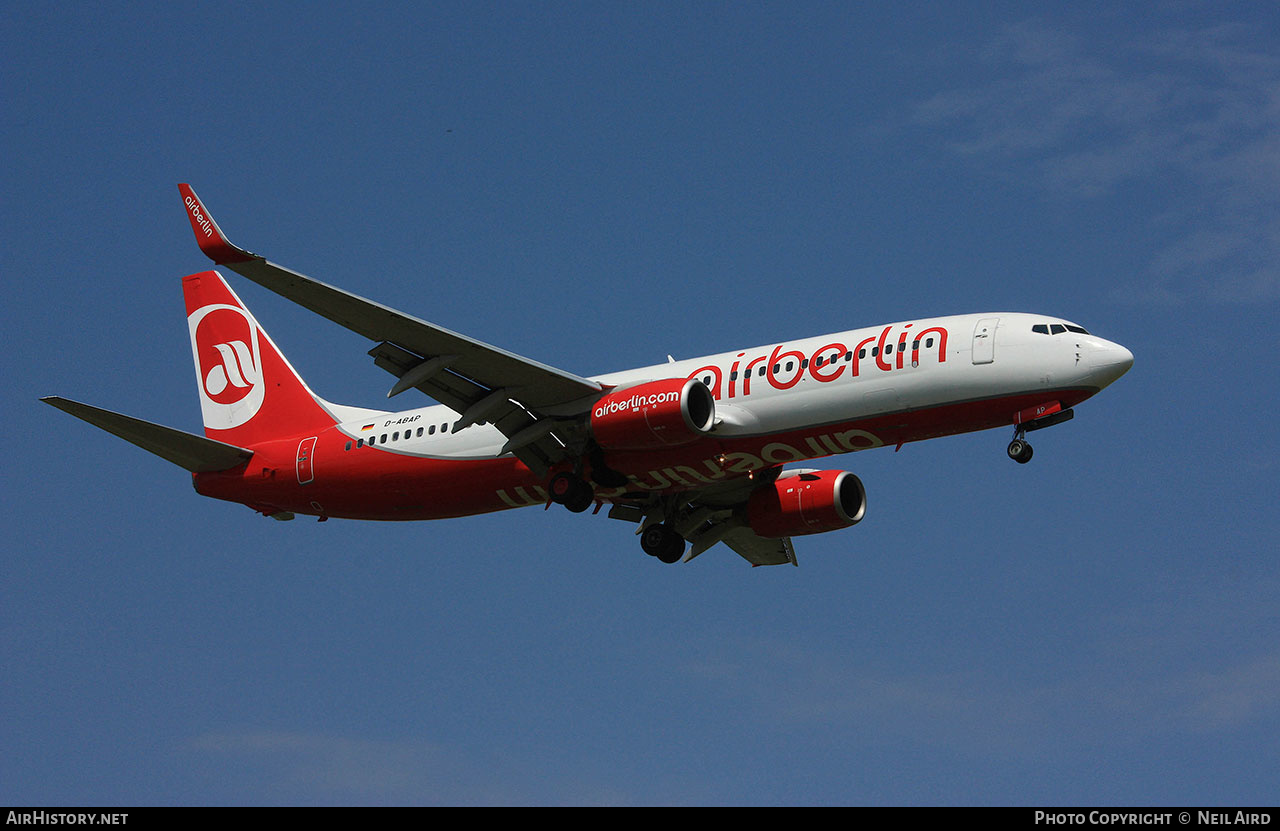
pixel 571 491
pixel 662 542
pixel 577 494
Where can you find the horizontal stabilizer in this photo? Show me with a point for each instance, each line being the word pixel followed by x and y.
pixel 195 453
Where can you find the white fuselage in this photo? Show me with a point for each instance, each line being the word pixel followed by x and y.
pixel 794 385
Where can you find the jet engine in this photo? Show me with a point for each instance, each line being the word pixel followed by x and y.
pixel 654 415
pixel 807 502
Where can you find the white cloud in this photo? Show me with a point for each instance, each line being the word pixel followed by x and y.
pixel 1190 118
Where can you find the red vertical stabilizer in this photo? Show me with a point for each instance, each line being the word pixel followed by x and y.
pixel 248 391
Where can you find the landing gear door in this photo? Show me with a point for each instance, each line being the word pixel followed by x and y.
pixel 984 340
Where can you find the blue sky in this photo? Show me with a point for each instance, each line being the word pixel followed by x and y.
pixel 596 186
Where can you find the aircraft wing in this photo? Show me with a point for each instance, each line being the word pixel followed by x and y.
pixel 195 453
pixel 532 404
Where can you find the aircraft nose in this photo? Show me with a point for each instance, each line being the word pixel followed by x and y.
pixel 1109 361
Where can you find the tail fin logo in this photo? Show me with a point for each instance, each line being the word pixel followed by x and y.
pixel 224 340
pixel 236 370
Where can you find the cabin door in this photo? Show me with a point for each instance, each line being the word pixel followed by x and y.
pixel 984 340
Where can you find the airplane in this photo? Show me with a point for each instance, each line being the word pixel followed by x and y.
pixel 693 452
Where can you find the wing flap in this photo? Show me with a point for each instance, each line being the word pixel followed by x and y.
pixel 760 551
pixel 187 450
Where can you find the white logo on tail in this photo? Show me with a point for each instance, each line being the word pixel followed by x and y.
pixel 224 340
pixel 236 369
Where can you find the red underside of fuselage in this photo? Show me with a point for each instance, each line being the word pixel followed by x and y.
pixel 381 484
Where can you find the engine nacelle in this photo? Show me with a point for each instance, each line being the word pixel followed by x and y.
pixel 651 416
pixel 807 503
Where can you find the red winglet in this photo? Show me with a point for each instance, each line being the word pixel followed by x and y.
pixel 212 241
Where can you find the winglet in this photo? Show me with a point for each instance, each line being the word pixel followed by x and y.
pixel 212 241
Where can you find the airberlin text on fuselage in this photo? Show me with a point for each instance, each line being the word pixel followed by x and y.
pixel 827 363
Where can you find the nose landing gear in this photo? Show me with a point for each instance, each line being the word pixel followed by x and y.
pixel 1025 421
pixel 1020 450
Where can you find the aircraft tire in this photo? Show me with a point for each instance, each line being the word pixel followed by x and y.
pixel 1020 451
pixel 661 542
pixel 580 499
pixel 570 491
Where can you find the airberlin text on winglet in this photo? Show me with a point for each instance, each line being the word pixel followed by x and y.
pixel 199 221
pixel 209 236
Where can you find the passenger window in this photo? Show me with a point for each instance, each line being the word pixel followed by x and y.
pixel 382 439
pixel 762 371
pixel 928 344
pixel 915 344
pixel 888 348
pixel 395 436
pixel 419 432
pixel 862 353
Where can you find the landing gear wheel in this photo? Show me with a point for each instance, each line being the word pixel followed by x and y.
pixel 661 542
pixel 570 491
pixel 1020 451
pixel 581 500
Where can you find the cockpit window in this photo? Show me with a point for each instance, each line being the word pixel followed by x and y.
pixel 1058 329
